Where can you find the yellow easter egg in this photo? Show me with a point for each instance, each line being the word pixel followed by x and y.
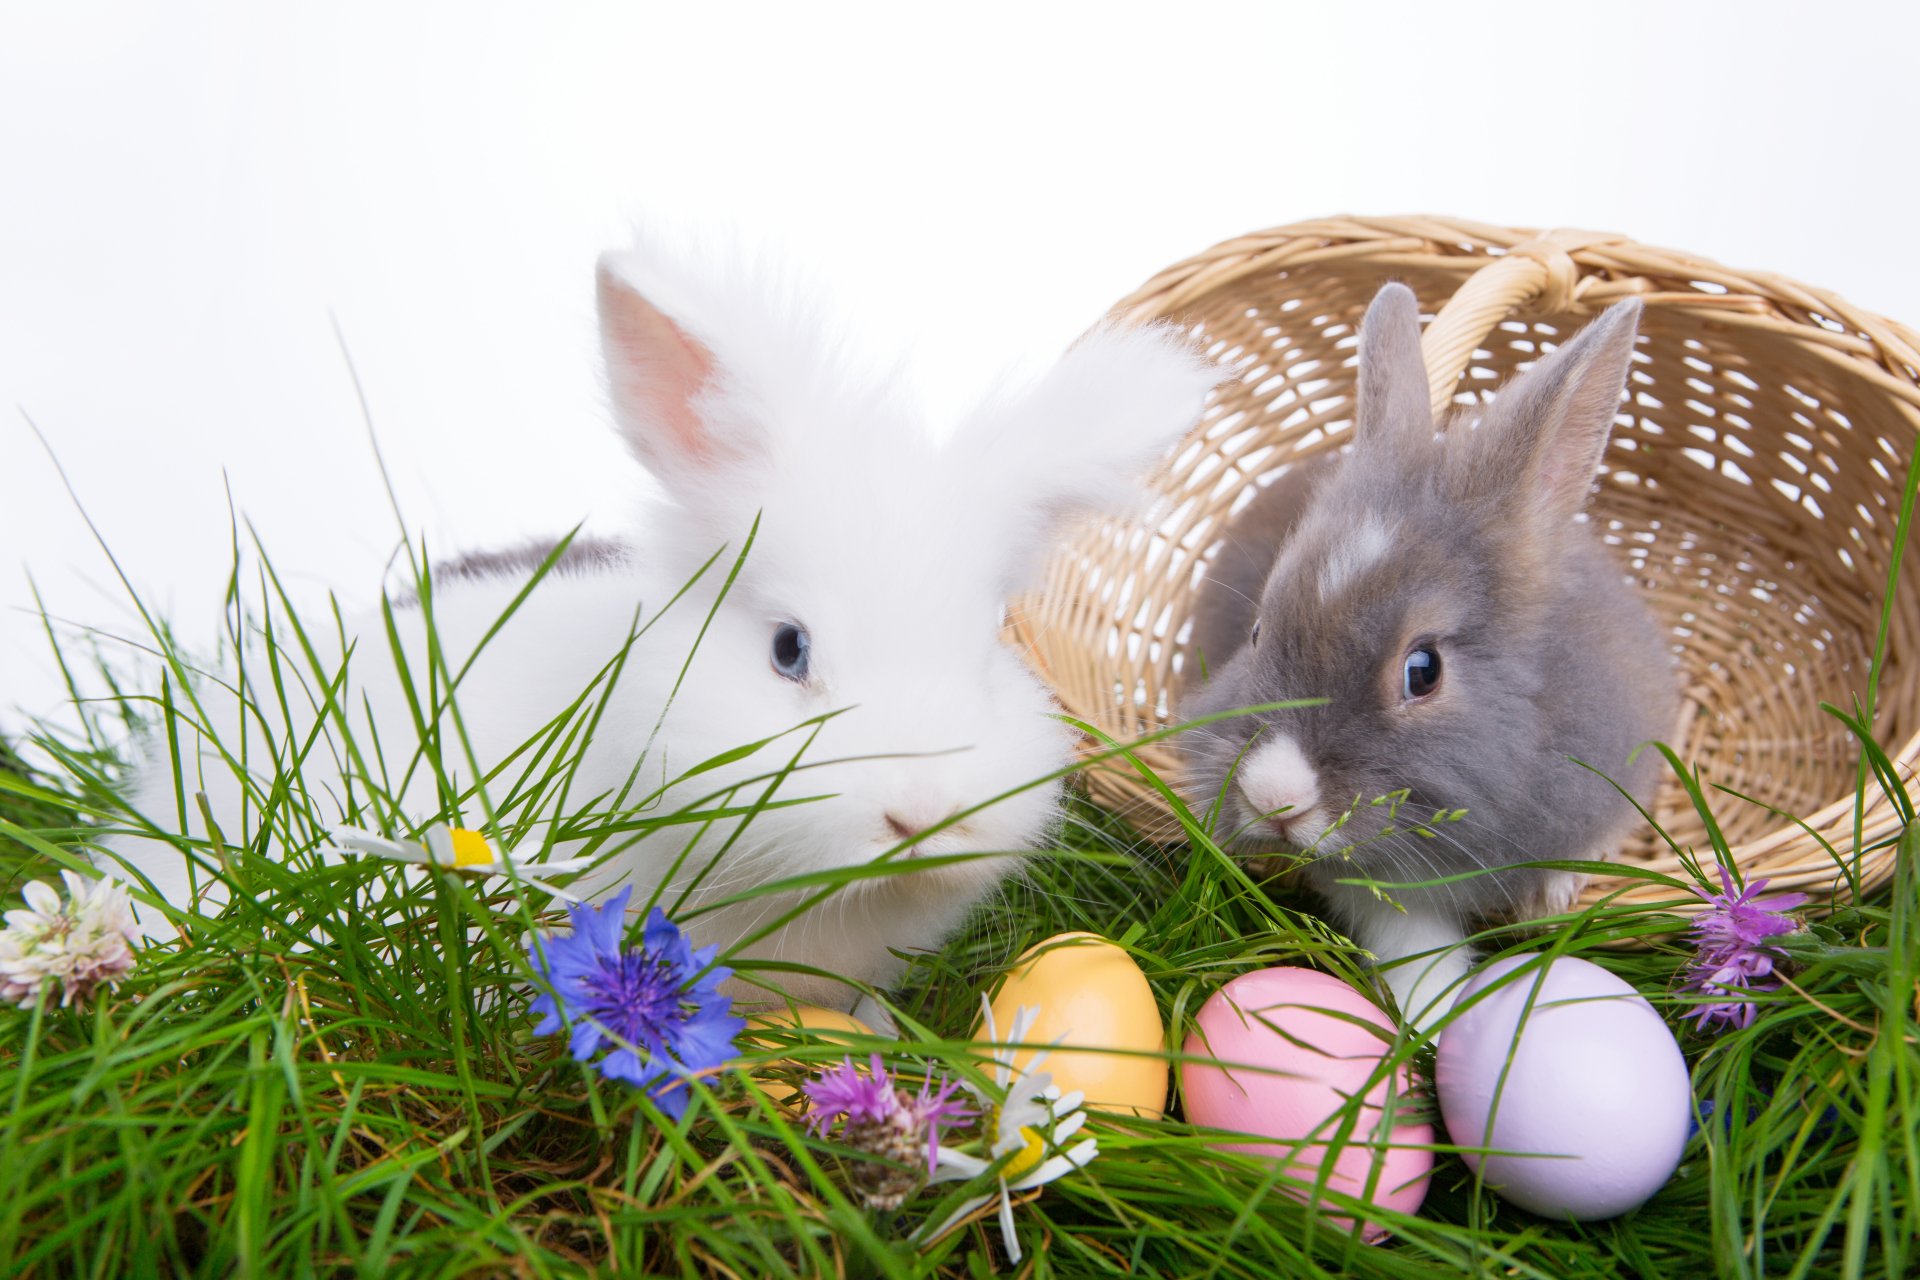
pixel 1093 997
pixel 826 1026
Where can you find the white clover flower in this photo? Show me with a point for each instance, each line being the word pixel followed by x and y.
pixel 456 849
pixel 1027 1129
pixel 79 943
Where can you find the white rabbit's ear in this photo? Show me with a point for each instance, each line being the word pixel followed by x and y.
pixel 1393 400
pixel 1082 438
pixel 656 372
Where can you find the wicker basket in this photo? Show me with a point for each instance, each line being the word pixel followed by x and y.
pixel 1752 486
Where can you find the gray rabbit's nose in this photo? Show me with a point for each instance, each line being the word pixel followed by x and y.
pixel 1279 783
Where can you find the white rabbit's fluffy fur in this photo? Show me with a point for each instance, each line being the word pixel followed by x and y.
pixel 895 553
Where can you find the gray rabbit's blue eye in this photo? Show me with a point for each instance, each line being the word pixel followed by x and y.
pixel 1421 675
pixel 791 649
pixel 1255 637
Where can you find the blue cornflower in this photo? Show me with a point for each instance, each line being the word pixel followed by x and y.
pixel 663 1022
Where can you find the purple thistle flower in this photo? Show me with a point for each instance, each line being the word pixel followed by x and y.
pixel 935 1108
pixel 665 1019
pixel 844 1091
pixel 1734 958
pixel 883 1123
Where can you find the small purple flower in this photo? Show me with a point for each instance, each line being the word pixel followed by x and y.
pixel 1734 958
pixel 665 1019
pixel 883 1122
pixel 844 1091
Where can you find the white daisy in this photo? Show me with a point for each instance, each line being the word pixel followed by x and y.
pixel 457 849
pixel 79 943
pixel 1027 1129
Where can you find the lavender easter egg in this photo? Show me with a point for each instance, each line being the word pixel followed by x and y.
pixel 1586 1100
pixel 1289 1048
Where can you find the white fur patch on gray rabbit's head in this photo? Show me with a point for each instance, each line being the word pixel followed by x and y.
pixel 1455 551
pixel 1354 552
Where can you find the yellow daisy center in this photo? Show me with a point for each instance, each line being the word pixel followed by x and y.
pixel 1027 1158
pixel 470 848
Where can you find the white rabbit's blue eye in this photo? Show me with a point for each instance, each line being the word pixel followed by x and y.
pixel 1421 675
pixel 791 649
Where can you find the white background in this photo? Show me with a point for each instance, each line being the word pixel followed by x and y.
pixel 189 195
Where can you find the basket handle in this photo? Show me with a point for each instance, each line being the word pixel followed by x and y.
pixel 1538 275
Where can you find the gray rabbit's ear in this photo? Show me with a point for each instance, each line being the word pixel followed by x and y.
pixel 1393 401
pixel 1548 428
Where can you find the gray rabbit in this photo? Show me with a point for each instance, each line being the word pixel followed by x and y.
pixel 1469 635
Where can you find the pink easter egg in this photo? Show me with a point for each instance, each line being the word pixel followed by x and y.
pixel 1289 1048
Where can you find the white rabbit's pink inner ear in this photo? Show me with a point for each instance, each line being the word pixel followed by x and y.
pixel 656 371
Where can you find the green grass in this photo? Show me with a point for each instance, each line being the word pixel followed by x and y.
pixel 254 1102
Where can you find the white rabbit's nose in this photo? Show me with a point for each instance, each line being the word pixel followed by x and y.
pixel 1279 782
pixel 911 826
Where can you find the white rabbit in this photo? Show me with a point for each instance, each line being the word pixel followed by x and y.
pixel 876 586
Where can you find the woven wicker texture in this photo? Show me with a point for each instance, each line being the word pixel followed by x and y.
pixel 1751 488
